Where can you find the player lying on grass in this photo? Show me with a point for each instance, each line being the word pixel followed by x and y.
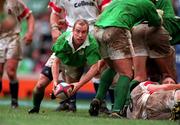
pixel 150 100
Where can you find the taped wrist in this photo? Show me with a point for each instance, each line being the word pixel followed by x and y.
pixel 54 26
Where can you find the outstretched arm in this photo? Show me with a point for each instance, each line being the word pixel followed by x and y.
pixel 29 34
pixel 55 71
pixel 164 87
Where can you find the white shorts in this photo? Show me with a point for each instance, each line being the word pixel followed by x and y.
pixel 115 43
pixel 50 60
pixel 10 48
pixel 150 41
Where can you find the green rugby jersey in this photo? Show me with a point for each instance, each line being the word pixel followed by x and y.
pixel 125 13
pixel 171 24
pixel 88 53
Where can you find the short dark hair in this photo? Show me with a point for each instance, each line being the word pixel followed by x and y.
pixel 81 22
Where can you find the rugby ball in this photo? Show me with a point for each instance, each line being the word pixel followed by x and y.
pixel 63 91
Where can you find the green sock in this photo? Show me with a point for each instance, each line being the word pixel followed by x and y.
pixel 120 93
pixel 105 81
pixel 37 97
pixel 132 85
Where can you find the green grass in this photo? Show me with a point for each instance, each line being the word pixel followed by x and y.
pixel 47 116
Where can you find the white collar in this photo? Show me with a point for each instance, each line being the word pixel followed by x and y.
pixel 69 38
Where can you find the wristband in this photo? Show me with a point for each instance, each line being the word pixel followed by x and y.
pixel 54 26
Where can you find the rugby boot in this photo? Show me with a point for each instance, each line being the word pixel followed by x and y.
pixel 175 112
pixel 103 108
pixel 14 103
pixel 63 106
pixel 94 107
pixel 33 110
pixel 72 107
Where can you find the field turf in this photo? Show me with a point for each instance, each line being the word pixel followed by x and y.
pixel 48 116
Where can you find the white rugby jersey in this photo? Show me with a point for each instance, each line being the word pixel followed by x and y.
pixel 78 9
pixel 19 10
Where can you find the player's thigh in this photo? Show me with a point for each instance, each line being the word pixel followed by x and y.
pixel 11 65
pixel 119 43
pixel 3 47
pixel 98 34
pixel 43 81
pixel 14 50
pixel 158 42
pixel 138 40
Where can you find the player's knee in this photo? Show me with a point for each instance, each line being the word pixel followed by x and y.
pixel 46 71
pixel 39 88
pixel 11 74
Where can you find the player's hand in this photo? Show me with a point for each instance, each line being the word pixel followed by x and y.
pixel 100 64
pixel 76 86
pixel 62 24
pixel 28 38
pixel 52 95
pixel 54 85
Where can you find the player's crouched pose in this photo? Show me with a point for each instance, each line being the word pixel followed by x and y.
pixel 72 51
pixel 153 101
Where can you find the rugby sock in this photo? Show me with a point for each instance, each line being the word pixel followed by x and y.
pixel 105 81
pixel 111 94
pixel 14 87
pixel 0 86
pixel 96 86
pixel 72 99
pixel 38 95
pixel 120 93
pixel 72 103
pixel 132 85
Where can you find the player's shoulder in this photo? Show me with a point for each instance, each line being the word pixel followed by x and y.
pixel 92 39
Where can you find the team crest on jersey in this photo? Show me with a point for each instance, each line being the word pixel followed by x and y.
pixel 84 3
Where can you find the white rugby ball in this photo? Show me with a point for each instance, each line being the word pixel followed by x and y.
pixel 63 91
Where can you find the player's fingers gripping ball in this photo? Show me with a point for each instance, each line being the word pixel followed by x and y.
pixel 63 91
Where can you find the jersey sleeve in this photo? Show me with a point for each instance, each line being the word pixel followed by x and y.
pixel 56 6
pixel 19 9
pixel 151 15
pixel 103 3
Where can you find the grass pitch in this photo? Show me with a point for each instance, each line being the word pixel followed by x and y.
pixel 48 116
